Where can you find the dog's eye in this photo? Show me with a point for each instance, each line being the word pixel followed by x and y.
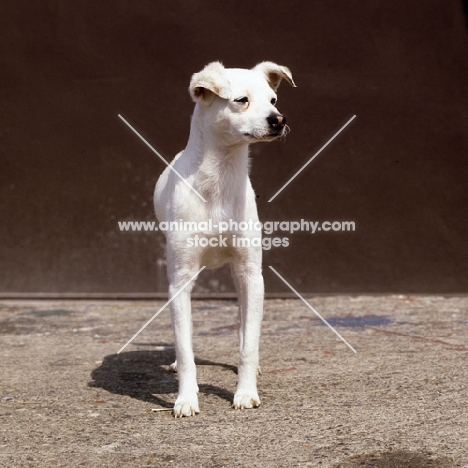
pixel 243 100
pixel 273 101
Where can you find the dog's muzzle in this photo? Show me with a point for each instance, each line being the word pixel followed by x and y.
pixel 276 122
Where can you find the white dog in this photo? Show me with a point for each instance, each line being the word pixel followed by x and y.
pixel 234 107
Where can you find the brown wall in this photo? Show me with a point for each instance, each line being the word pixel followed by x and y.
pixel 70 169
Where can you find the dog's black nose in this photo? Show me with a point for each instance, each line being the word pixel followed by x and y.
pixel 276 121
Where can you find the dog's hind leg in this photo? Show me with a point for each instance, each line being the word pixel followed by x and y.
pixel 239 301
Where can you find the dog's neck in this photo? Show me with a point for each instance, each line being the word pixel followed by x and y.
pixel 221 170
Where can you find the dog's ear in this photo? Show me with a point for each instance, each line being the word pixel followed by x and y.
pixel 274 74
pixel 210 81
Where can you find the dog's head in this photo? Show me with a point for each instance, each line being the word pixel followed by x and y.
pixel 241 104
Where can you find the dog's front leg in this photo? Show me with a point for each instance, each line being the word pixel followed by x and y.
pixel 187 400
pixel 251 291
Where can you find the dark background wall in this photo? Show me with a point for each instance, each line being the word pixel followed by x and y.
pixel 70 169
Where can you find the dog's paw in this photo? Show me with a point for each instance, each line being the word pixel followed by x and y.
pixel 173 366
pixel 186 405
pixel 244 400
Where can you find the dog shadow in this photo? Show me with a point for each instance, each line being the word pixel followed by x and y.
pixel 146 375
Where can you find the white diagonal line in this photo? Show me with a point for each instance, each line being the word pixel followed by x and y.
pixel 312 309
pixel 160 310
pixel 167 164
pixel 312 158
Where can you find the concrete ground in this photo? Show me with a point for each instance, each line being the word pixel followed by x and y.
pixel 68 400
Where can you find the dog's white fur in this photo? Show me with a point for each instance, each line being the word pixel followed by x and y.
pixel 234 107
